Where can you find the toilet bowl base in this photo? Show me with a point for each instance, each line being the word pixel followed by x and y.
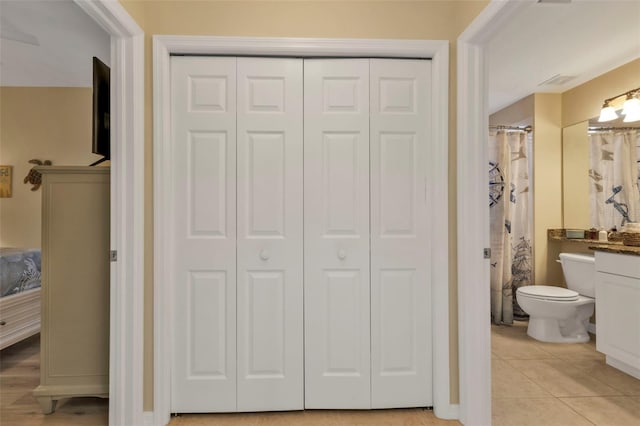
pixel 548 330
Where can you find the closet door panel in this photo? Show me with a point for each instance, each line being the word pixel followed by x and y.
pixel 204 234
pixel 400 291
pixel 270 248
pixel 336 198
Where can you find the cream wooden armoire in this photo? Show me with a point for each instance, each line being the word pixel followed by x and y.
pixel 74 339
pixel 300 262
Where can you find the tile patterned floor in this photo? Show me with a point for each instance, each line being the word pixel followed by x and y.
pixel 534 383
pixel 548 384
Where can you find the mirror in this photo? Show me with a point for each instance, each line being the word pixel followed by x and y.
pixel 575 176
pixel 576 170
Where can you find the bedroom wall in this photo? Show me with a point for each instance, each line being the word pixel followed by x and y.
pixel 45 123
pixel 430 20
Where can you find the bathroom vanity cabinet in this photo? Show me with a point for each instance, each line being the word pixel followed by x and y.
pixel 618 310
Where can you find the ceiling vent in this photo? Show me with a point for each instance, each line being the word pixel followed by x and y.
pixel 557 80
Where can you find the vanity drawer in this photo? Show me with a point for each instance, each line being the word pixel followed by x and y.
pixel 619 264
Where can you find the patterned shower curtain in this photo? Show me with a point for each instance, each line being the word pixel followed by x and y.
pixel 613 173
pixel 511 251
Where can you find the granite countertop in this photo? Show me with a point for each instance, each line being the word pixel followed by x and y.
pixel 560 235
pixel 616 248
pixel 608 246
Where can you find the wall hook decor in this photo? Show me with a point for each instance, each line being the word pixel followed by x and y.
pixel 34 177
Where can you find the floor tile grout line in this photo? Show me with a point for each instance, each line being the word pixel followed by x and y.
pixel 530 380
pixel 561 356
pixel 621 392
pixel 618 392
pixel 575 411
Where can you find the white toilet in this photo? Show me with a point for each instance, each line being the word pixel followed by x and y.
pixel 560 315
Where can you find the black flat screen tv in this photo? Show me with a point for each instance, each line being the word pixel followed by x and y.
pixel 101 143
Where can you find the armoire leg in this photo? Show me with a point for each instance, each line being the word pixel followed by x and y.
pixel 47 403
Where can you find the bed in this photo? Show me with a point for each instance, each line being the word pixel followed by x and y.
pixel 19 294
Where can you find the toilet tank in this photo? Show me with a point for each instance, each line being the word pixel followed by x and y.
pixel 580 273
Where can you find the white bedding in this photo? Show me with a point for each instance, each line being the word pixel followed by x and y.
pixel 19 294
pixel 19 270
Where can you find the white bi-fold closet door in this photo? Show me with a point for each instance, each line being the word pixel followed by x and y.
pixel 367 294
pixel 237 170
pixel 237 167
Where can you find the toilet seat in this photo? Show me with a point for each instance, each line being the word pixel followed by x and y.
pixel 547 292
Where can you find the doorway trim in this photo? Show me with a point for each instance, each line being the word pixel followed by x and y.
pixel 436 50
pixel 127 210
pixel 474 323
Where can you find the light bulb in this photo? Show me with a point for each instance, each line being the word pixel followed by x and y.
pixel 607 113
pixel 631 107
pixel 633 114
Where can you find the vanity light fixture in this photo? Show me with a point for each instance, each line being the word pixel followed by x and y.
pixel 607 113
pixel 631 108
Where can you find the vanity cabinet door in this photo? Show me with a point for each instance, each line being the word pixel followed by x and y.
pixel 618 319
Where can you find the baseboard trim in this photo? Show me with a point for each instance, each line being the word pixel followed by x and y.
pixel 448 412
pixel 623 366
pixel 148 418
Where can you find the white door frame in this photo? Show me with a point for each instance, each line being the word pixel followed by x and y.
pixel 127 209
pixel 438 51
pixel 474 323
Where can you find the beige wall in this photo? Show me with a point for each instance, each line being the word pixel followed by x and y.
pixel 547 184
pixel 585 101
pixel 429 20
pixel 519 113
pixel 45 123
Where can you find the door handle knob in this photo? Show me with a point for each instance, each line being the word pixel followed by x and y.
pixel 264 254
pixel 342 254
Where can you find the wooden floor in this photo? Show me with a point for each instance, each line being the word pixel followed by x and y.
pixel 19 376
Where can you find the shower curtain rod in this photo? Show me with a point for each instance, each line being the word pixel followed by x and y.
pixel 606 129
pixel 520 128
